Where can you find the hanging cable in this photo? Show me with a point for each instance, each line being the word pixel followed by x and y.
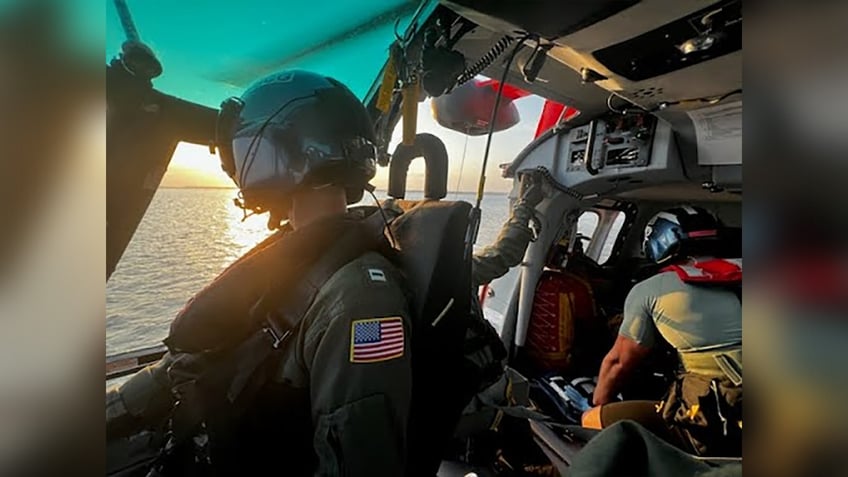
pixel 625 110
pixel 383 214
pixel 709 100
pixel 461 165
pixel 476 212
pixel 482 183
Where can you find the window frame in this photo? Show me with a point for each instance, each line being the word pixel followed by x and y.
pixel 607 216
pixel 575 229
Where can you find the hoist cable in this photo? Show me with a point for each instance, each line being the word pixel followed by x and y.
pixel 461 165
pixel 482 183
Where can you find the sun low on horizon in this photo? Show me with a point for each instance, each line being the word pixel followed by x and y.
pixel 194 166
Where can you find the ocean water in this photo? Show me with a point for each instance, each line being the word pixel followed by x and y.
pixel 186 238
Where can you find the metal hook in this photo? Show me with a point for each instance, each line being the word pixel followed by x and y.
pixel 397 35
pixel 406 37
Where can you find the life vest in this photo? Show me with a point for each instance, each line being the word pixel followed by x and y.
pixel 230 338
pixel 235 304
pixel 717 271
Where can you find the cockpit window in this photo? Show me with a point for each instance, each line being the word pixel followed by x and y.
pixel 598 231
pixel 612 236
pixel 587 223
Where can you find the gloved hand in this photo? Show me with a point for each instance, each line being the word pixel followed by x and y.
pixel 531 192
pixel 142 401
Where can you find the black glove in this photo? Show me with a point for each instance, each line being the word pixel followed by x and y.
pixel 531 192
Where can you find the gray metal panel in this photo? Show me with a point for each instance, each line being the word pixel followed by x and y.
pixel 553 154
pixel 728 177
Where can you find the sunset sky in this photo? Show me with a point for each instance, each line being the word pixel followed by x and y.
pixel 194 166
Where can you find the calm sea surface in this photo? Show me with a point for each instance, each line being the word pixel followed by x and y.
pixel 186 238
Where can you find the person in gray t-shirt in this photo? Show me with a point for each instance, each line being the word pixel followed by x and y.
pixel 691 318
pixel 694 305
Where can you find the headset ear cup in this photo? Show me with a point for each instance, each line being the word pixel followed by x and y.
pixel 225 153
pixel 227 118
pixel 360 162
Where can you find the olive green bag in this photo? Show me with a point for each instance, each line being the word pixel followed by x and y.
pixel 708 412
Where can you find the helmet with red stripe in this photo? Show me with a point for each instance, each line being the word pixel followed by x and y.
pixel 681 231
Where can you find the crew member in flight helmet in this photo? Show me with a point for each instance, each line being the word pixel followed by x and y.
pixel 300 146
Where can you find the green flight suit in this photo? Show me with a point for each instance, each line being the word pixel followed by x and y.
pixel 507 250
pixel 359 401
pixel 339 401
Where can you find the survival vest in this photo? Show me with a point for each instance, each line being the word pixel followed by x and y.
pixel 719 272
pixel 228 336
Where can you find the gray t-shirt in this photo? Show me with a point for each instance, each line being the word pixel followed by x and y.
pixel 691 318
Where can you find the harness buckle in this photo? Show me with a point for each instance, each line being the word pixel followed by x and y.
pixel 714 388
pixel 277 336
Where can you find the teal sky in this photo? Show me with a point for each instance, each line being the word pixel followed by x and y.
pixel 211 50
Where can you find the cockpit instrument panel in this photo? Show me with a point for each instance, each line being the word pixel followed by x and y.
pixel 621 140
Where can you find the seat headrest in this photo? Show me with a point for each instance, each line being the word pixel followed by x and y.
pixel 431 240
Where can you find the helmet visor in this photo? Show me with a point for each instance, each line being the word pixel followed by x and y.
pixel 279 157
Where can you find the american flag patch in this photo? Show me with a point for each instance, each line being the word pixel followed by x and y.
pixel 376 339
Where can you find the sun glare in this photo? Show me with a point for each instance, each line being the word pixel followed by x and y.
pixel 193 166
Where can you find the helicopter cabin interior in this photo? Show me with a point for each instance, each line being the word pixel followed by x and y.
pixel 656 91
pixel 652 118
pixel 658 87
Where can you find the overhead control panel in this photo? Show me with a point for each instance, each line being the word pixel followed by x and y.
pixel 701 36
pixel 547 18
pixel 613 141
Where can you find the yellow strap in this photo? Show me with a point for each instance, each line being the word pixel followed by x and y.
pixel 509 397
pixel 384 96
pixel 497 421
pixel 410 113
pixel 693 411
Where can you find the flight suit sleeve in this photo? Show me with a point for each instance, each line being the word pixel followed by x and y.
pixel 638 320
pixel 507 251
pixel 360 398
pixel 142 401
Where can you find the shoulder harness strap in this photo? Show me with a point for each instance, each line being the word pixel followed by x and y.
pixel 280 318
pixel 288 314
pixel 278 315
